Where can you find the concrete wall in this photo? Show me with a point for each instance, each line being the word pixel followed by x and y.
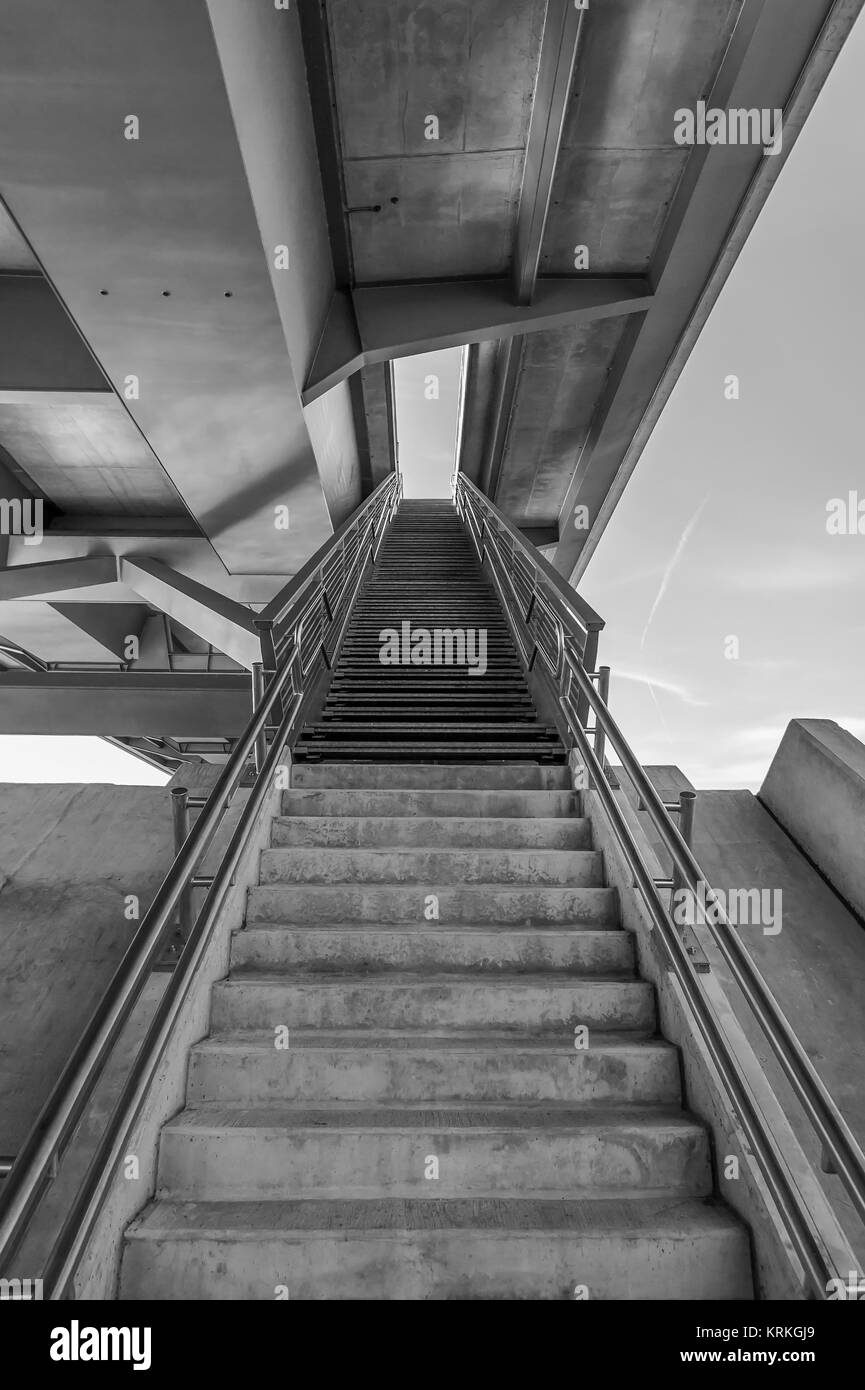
pixel 816 789
pixel 69 856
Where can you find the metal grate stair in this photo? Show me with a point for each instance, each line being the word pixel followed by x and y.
pixel 427 575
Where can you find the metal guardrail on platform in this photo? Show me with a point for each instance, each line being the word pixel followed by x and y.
pixel 304 622
pixel 550 621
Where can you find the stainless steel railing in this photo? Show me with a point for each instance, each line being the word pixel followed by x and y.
pixel 562 642
pixel 297 635
pixel 307 618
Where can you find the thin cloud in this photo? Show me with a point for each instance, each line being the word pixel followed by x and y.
pixel 670 569
pixel 658 683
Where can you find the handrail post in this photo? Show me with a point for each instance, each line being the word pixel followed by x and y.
pixel 260 752
pixel 687 806
pixel 590 660
pixel 264 627
pixel 604 692
pixel 180 818
pixel 687 802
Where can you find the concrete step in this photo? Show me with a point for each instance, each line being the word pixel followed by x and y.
pixel 528 1248
pixel 223 1153
pixel 540 1003
pixel 380 1066
pixel 407 903
pixel 538 867
pixel 432 832
pixel 436 803
pixel 580 951
pixel 430 776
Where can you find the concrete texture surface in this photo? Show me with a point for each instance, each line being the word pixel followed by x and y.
pixel 69 856
pixel 815 787
pixel 422 1039
pixel 815 965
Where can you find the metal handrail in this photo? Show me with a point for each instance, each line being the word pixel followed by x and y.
pixel 821 1260
pixel 306 593
pixel 575 612
pixel 37 1163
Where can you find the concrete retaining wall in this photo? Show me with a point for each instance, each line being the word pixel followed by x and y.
pixel 69 856
pixel 816 789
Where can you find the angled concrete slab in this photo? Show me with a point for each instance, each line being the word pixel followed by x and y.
pixel 167 226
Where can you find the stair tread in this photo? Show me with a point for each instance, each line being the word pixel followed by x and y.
pixel 450 1040
pixel 547 979
pixel 673 1215
pixel 453 1116
pixel 375 854
pixel 504 930
pixel 322 819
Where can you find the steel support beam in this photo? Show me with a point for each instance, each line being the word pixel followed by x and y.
pixel 221 621
pixel 377 323
pixel 124 703
pixel 778 58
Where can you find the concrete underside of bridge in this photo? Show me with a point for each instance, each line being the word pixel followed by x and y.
pixel 222 220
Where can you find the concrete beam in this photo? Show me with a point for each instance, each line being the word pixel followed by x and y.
pixel 141 528
pixel 778 58
pixel 57 577
pixel 261 52
pixel 378 323
pixel 109 624
pixel 40 347
pixel 509 357
pixel 182 234
pixel 218 620
pixel 126 703
pixel 540 535
pixel 563 28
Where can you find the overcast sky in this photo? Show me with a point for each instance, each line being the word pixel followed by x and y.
pixel 426 391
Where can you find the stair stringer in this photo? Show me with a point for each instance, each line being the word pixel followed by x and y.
pixel 777 1269
pixel 97 1275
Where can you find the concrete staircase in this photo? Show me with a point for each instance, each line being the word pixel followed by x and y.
pixel 427 577
pixel 431 1131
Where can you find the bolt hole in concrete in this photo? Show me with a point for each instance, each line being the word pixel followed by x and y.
pixel 103 291
pixel 166 294
pixel 428 398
